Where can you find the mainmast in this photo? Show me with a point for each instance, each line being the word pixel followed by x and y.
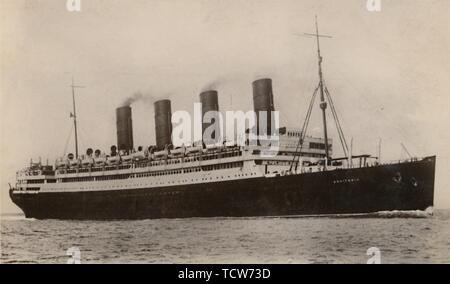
pixel 74 116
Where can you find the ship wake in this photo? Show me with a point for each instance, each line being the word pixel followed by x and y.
pixel 405 214
pixel 380 214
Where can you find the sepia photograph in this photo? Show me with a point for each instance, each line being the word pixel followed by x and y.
pixel 220 132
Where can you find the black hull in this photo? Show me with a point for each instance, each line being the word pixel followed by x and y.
pixel 403 186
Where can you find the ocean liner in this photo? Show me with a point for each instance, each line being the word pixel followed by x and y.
pixel 209 179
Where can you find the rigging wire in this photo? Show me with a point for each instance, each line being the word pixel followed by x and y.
pixel 68 139
pixel 298 149
pixel 303 131
pixel 338 123
pixel 400 131
pixel 406 150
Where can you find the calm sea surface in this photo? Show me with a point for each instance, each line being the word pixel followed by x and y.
pixel 402 237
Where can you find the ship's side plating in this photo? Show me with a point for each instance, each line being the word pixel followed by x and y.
pixel 402 186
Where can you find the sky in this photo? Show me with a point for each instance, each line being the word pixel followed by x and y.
pixel 388 71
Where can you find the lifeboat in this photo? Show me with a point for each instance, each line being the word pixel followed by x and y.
pixel 213 147
pixel 61 163
pixel 177 152
pixel 126 158
pixel 138 156
pixel 160 154
pixel 87 161
pixel 74 163
pixel 100 161
pixel 230 144
pixel 194 149
pixel 114 160
pixel 99 158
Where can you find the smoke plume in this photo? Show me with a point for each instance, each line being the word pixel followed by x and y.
pixel 133 98
pixel 212 86
pixel 141 97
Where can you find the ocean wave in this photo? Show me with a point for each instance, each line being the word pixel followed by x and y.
pixel 14 261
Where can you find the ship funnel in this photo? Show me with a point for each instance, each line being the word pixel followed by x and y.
pixel 263 102
pixel 163 123
pixel 124 128
pixel 210 102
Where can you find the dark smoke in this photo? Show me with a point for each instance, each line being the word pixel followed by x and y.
pixel 141 97
pixel 133 98
pixel 212 86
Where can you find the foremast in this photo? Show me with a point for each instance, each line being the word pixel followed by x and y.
pixel 324 97
pixel 323 103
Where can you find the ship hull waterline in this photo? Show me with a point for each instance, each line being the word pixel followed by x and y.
pixel 401 186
